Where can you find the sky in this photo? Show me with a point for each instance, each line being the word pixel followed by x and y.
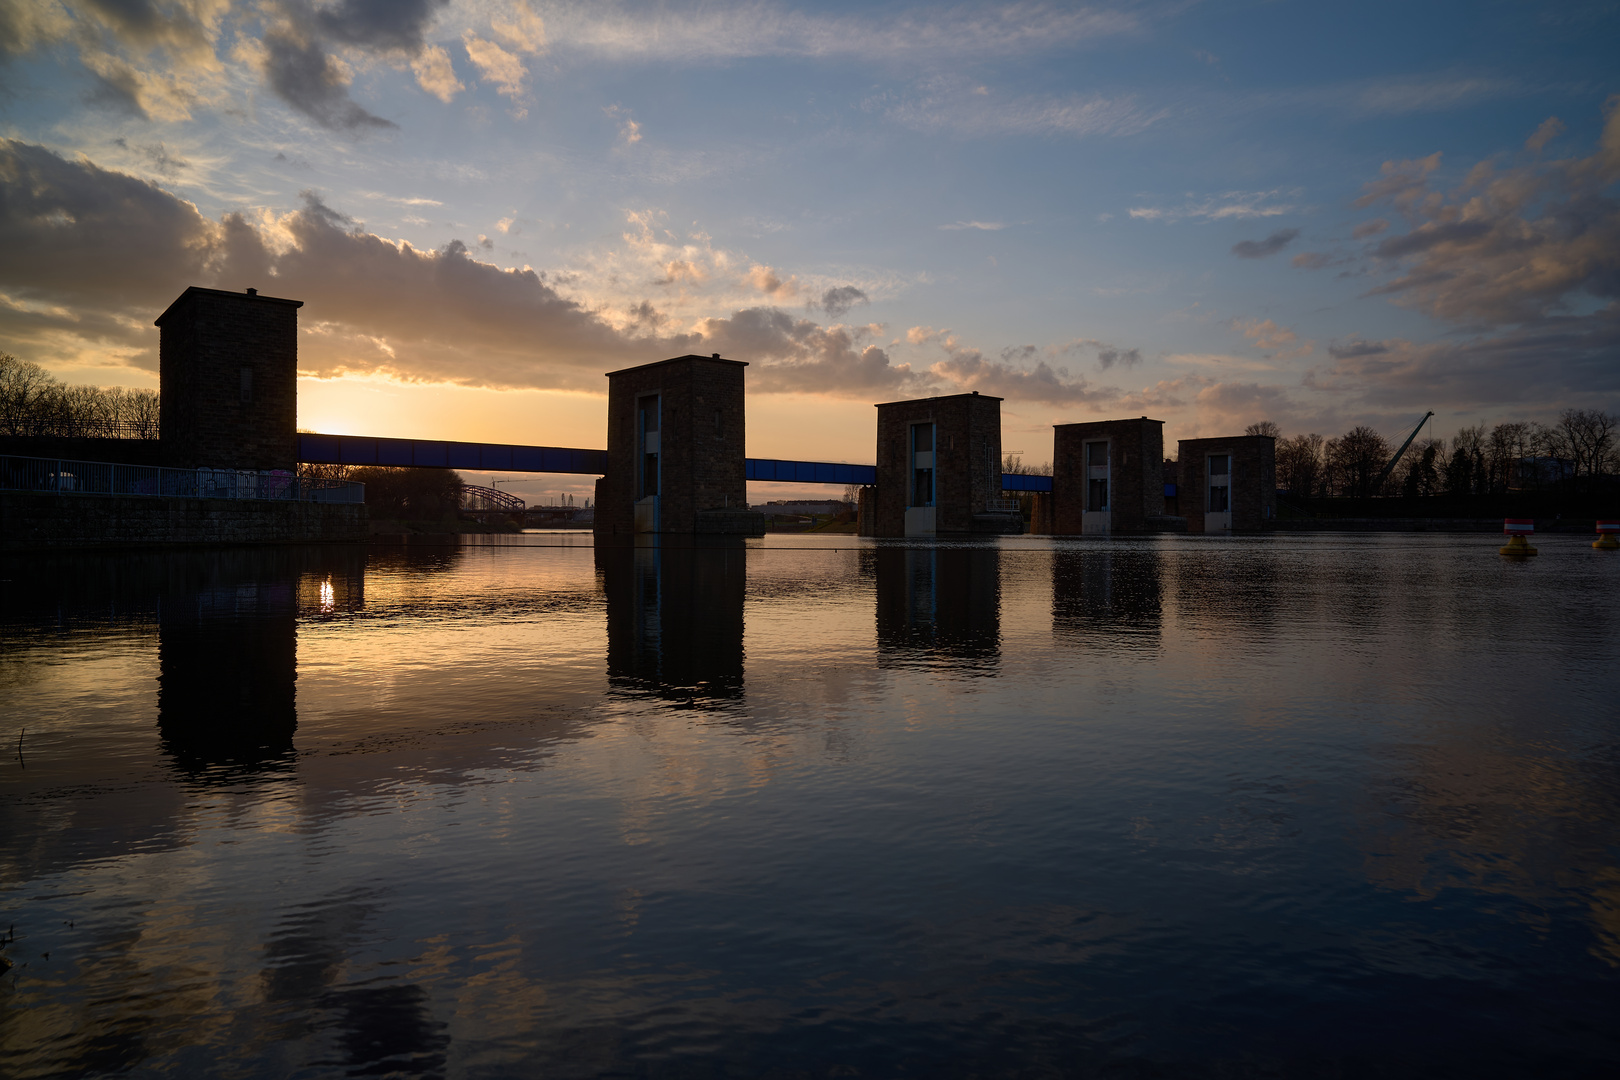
pixel 1209 213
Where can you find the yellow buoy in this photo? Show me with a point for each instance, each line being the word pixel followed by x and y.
pixel 1606 530
pixel 1517 529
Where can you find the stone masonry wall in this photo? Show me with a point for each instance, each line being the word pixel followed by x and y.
pixel 209 338
pixel 31 520
pixel 1136 473
pixel 702 441
pixel 1254 480
pixel 967 460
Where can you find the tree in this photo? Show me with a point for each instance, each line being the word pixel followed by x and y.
pixel 1359 456
pixel 1263 427
pixel 1586 437
pixel 1299 464
pixel 1422 479
pixel 411 494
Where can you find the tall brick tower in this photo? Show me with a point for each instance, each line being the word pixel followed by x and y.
pixel 676 442
pixel 228 371
pixel 939 468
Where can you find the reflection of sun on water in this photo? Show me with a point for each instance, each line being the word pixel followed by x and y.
pixel 328 603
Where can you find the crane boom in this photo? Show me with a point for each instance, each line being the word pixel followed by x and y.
pixel 1396 460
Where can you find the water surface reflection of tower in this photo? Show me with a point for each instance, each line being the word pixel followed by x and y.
pixel 939 602
pixel 675 618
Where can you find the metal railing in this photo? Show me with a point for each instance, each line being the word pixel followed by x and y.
pixel 1002 506
pixel 57 427
pixel 106 478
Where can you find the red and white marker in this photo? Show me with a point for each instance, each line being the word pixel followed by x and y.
pixel 1518 526
pixel 1610 526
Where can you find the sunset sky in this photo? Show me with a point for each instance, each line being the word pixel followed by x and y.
pixel 1210 213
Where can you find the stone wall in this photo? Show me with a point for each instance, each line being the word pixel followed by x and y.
pixel 1254 480
pixel 30 520
pixel 228 368
pixel 967 461
pixel 1135 474
pixel 702 441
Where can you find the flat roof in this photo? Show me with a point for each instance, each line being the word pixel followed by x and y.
pixel 195 290
pixel 1120 420
pixel 714 358
pixel 937 397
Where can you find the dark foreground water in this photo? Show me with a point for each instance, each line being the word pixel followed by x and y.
pixel 1318 806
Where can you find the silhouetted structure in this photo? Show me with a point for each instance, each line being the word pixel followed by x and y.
pixel 939 468
pixel 228 366
pixel 1107 477
pixel 675 451
pixel 1228 484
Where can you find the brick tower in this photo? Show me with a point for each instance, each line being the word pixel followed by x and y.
pixel 228 371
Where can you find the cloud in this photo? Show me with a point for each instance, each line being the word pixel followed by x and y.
pixel 502 69
pixel 435 73
pixel 379 24
pixel 1311 260
pixel 710 33
pixel 1108 357
pixel 949 105
pixel 1259 249
pixel 1550 129
pixel 807 357
pixel 1534 370
pixel 89 256
pixel 987 226
pixel 1505 246
pixel 1356 347
pixel 837 302
pixel 1369 228
pixel 500 63
pixel 629 130
pixel 1282 340
pixel 1426 94
pixel 1231 205
pixel 301 73
pixel 768 282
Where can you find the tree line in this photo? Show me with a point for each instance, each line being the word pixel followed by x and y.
pixel 34 403
pixel 1577 450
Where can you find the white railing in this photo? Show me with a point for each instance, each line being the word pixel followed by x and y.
pixel 106 478
pixel 1002 506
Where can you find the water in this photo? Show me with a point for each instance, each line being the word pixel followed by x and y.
pixel 1314 806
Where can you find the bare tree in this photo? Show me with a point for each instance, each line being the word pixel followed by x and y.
pixel 1360 455
pixel 1586 437
pixel 1263 427
pixel 1299 464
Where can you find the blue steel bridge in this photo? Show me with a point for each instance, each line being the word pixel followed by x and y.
pixel 503 457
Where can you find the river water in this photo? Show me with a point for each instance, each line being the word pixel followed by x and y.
pixel 1325 805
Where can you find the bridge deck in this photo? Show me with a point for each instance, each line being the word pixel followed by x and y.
pixel 316 449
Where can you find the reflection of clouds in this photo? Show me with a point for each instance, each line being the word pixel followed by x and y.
pixel 494 871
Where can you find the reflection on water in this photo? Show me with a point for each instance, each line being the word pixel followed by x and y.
pixel 1180 807
pixel 939 603
pixel 675 618
pixel 1108 599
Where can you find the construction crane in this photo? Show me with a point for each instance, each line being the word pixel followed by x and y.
pixel 1396 460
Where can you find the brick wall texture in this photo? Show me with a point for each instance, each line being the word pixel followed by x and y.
pixel 702 435
pixel 1135 474
pixel 32 520
pixel 967 461
pixel 1254 480
pixel 209 338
